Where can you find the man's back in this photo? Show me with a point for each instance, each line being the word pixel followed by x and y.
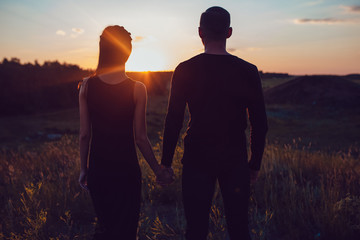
pixel 218 89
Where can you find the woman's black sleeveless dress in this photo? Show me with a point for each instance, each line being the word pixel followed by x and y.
pixel 114 177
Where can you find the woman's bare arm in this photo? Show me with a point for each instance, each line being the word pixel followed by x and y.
pixel 84 135
pixel 141 137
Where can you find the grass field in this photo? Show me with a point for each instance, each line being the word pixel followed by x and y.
pixel 309 186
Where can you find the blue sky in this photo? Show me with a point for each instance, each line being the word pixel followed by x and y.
pixel 298 37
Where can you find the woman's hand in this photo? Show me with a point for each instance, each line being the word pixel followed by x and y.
pixel 83 179
pixel 164 176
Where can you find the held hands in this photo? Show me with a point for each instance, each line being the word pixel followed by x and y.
pixel 164 175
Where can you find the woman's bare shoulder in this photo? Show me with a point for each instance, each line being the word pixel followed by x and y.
pixel 140 87
pixel 83 85
pixel 139 91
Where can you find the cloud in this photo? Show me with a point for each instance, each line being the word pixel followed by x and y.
pixel 321 21
pixel 144 40
pixel 60 32
pixel 78 30
pixel 232 50
pixel 352 9
pixel 138 38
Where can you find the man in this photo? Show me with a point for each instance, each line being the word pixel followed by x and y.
pixel 219 89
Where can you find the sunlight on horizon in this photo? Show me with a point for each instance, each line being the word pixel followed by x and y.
pixel 144 59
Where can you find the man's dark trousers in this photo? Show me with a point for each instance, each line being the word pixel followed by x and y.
pixel 198 186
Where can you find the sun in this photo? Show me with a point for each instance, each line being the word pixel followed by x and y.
pixel 145 59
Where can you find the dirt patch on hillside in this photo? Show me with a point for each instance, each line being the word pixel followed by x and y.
pixel 322 91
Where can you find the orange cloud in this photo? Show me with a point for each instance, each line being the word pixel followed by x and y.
pixel 138 38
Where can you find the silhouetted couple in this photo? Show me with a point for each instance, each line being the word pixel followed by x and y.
pixel 219 89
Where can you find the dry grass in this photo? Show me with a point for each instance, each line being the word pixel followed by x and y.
pixel 301 194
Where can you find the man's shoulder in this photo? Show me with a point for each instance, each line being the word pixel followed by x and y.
pixel 191 60
pixel 244 63
pixel 236 63
pixel 233 58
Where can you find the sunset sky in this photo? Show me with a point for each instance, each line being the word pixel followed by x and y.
pixel 293 36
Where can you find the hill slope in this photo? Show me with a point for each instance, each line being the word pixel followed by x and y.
pixel 323 91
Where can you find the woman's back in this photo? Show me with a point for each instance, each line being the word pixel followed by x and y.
pixel 112 115
pixel 111 111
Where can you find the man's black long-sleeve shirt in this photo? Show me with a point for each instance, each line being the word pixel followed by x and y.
pixel 219 90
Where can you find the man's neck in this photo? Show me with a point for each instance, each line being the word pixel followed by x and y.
pixel 216 47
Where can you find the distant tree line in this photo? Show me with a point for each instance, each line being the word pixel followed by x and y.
pixel 32 87
pixel 28 88
pixel 273 75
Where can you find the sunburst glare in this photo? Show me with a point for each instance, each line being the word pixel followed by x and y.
pixel 143 59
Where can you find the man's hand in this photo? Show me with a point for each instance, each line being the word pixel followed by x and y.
pixel 165 176
pixel 83 179
pixel 253 176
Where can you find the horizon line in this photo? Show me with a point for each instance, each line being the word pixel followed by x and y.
pixel 168 70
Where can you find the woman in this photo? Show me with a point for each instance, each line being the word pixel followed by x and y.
pixel 112 111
